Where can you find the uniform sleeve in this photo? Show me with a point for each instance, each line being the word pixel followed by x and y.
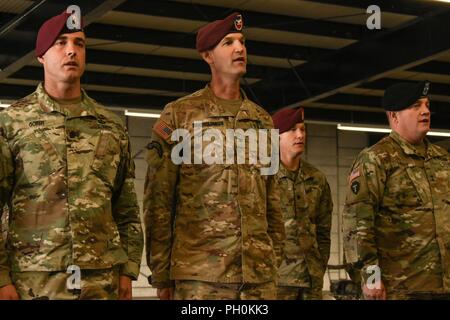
pixel 365 188
pixel 275 221
pixel 6 185
pixel 126 213
pixel 160 201
pixel 323 223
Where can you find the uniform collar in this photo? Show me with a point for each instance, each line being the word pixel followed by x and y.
pixel 283 172
pixel 215 109
pixel 410 149
pixel 48 105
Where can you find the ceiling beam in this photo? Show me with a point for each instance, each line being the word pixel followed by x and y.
pixel 415 8
pixel 144 61
pixel 398 49
pixel 120 80
pixel 187 40
pixel 205 13
pixel 143 101
pixel 382 84
pixel 437 67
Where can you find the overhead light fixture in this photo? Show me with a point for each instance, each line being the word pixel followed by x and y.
pixel 4 105
pixel 380 129
pixel 439 133
pixel 142 114
pixel 362 128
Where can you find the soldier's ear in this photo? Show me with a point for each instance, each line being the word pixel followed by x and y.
pixel 392 116
pixel 207 56
pixel 41 60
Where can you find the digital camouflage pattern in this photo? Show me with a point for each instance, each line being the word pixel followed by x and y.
pixel 307 207
pixel 397 216
pixel 216 223
pixel 67 177
pixel 200 290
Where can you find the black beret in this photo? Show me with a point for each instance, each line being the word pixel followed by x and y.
pixel 402 95
pixel 210 35
pixel 287 118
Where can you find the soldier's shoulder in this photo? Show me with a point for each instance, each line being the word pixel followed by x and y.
pixel 313 171
pixel 106 114
pixel 439 151
pixel 20 108
pixel 380 152
pixel 23 103
pixel 194 99
pixel 261 112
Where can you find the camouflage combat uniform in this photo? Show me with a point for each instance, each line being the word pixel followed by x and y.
pixel 307 207
pixel 212 223
pixel 397 216
pixel 67 176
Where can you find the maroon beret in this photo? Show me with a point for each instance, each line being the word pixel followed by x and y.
pixel 50 31
pixel 210 35
pixel 286 118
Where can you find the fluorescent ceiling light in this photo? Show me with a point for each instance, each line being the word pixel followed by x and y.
pixel 439 133
pixel 142 114
pixel 361 128
pixel 4 105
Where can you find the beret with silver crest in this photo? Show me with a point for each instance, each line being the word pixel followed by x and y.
pixel 402 95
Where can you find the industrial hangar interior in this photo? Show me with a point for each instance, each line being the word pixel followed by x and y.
pixel 318 54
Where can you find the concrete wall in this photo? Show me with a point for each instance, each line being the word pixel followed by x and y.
pixel 331 151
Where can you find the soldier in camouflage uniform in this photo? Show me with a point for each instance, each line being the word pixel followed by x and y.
pixel 307 207
pixel 214 231
pixel 66 174
pixel 396 220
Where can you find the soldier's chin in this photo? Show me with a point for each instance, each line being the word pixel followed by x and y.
pixel 72 78
pixel 423 133
pixel 242 73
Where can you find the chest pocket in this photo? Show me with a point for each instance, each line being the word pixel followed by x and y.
pixel 420 182
pixel 38 152
pixel 107 157
pixel 407 187
pixel 440 178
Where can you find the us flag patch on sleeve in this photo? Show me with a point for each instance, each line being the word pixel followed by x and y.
pixel 355 174
pixel 163 130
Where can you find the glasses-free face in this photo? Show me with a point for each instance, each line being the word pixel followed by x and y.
pixel 229 56
pixel 293 141
pixel 413 123
pixel 65 60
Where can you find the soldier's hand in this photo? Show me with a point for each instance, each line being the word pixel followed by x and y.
pixel 165 293
pixel 8 292
pixel 125 288
pixel 378 292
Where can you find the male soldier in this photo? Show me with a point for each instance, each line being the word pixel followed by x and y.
pixel 67 176
pixel 213 230
pixel 397 211
pixel 307 207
